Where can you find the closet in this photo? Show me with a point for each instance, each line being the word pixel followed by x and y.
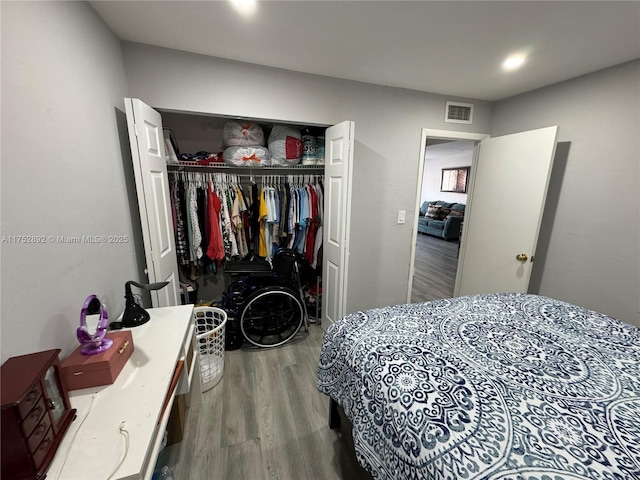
pixel 222 214
pixel 158 183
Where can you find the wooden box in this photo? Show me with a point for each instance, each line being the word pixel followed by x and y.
pixel 36 413
pixel 84 371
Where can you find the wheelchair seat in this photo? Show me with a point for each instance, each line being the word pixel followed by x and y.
pixel 247 267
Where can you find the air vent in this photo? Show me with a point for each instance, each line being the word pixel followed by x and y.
pixel 458 112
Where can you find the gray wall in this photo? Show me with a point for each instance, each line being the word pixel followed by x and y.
pixel 388 129
pixel 589 246
pixel 63 83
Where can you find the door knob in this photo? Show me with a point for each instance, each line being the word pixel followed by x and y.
pixel 522 257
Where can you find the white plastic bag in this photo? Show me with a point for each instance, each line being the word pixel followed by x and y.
pixel 242 134
pixel 247 156
pixel 285 145
pixel 170 152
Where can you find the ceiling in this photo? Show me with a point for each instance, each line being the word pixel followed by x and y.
pixel 447 47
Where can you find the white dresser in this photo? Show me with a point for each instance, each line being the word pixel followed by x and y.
pixel 139 402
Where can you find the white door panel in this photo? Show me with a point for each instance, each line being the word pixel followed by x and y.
pixel 337 204
pixel 334 200
pixel 163 230
pixel 152 187
pixel 507 197
pixel 332 292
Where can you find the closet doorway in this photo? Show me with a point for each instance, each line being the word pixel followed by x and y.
pixel 436 246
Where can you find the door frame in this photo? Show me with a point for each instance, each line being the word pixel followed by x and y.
pixel 428 133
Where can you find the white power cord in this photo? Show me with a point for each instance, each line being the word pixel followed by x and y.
pixel 123 431
pixel 75 434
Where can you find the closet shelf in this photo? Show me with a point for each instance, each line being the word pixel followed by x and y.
pixel 297 169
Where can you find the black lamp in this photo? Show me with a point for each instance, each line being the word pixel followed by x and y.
pixel 134 315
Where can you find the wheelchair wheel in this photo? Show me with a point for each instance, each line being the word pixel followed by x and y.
pixel 271 316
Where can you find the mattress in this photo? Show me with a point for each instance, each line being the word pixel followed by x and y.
pixel 497 386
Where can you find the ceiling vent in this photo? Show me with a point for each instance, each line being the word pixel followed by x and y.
pixel 457 112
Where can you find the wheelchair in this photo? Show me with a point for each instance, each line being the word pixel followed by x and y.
pixel 266 305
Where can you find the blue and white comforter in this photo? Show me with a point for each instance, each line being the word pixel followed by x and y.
pixel 499 386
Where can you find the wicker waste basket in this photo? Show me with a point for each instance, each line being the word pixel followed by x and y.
pixel 210 325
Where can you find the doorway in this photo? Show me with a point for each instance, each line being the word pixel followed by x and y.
pixel 434 250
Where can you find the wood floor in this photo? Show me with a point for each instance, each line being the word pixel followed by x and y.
pixel 265 420
pixel 436 261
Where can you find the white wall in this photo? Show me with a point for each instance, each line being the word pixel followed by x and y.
pixel 389 123
pixel 432 174
pixel 63 82
pixel 590 241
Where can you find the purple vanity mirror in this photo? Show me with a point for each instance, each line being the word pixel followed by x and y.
pixel 93 343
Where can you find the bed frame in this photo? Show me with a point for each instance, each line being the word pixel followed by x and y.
pixel 341 424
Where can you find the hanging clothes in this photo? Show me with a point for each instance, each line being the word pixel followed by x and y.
pixel 196 238
pixel 318 242
pixel 262 217
pixel 178 224
pixel 237 222
pixel 230 245
pixel 201 199
pixel 216 221
pixel 215 250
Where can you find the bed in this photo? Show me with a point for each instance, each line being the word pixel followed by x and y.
pixel 497 386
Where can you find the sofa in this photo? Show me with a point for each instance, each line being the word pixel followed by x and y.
pixel 441 219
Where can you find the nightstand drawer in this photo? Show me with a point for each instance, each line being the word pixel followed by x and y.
pixel 38 433
pixel 43 448
pixel 30 399
pixel 33 417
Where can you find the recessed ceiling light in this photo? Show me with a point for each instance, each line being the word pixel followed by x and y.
pixel 513 62
pixel 245 7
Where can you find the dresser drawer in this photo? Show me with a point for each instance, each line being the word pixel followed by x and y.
pixel 30 399
pixel 43 448
pixel 33 417
pixel 38 433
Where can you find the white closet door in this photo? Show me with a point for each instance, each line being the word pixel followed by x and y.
pixel 337 207
pixel 507 198
pixel 154 200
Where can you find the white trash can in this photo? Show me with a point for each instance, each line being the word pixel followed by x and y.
pixel 210 326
